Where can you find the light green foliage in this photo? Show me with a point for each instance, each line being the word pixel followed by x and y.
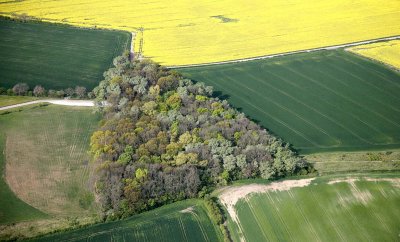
pixel 185 158
pixel 126 157
pixel 229 162
pixel 149 108
pixel 359 210
pixel 141 174
pixel 320 101
pixel 174 101
pixel 174 130
pixel 201 98
pixel 202 110
pixel 185 138
pixel 173 148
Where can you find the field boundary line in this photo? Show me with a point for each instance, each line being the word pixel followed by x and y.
pixel 376 72
pixel 331 47
pixel 394 68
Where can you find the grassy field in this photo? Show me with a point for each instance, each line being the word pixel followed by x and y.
pixel 12 209
pixel 56 56
pixel 181 221
pixel 11 100
pixel 334 209
pixel 47 161
pixel 209 31
pixel 361 161
pixel 320 101
pixel 385 52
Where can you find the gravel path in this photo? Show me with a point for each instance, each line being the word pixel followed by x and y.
pixel 82 103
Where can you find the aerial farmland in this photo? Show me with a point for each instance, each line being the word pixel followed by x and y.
pixel 199 121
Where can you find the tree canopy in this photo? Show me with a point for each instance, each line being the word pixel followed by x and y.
pixel 165 138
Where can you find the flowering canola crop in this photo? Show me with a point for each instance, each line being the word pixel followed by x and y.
pixel 386 52
pixel 183 32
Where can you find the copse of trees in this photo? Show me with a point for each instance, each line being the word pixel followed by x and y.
pixel 22 89
pixel 164 138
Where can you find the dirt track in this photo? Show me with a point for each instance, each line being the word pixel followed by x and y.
pixel 82 103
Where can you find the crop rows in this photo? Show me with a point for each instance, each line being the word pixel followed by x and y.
pixel 326 100
pixel 345 211
pixel 56 56
pixel 181 221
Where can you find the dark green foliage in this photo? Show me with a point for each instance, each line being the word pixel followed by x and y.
pixel 56 56
pixel 320 101
pixel 160 134
pixel 216 213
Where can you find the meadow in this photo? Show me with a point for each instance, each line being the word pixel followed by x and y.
pixel 56 56
pixel 359 161
pixel 11 100
pixel 46 162
pixel 181 221
pixel 182 32
pixel 385 52
pixel 329 209
pixel 319 101
pixel 12 209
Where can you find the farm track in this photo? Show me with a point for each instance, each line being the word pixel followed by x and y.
pixel 333 47
pixel 351 208
pixel 80 103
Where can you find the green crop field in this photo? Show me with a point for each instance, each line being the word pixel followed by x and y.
pixel 181 221
pixel 56 56
pixel 334 209
pixel 47 164
pixel 320 101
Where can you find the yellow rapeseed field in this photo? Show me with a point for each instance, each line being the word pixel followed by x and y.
pixel 179 32
pixel 386 52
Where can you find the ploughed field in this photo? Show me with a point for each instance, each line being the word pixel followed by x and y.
pixel 181 221
pixel 319 101
pixel 192 32
pixel 45 162
pixel 56 56
pixel 326 209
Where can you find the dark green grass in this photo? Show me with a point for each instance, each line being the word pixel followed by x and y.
pixel 320 101
pixel 56 56
pixel 168 223
pixel 364 211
